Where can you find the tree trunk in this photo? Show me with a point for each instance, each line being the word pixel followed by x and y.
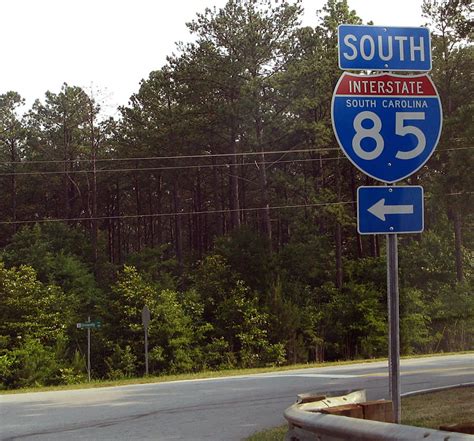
pixel 199 233
pixel 458 245
pixel 138 224
pixel 110 226
pixel 234 184
pixel 266 221
pixel 150 237
pixel 338 233
pixel 159 206
pixel 338 240
pixel 13 185
pixel 360 250
pixel 178 236
pixel 94 223
pixel 215 191
pixel 118 225
pixel 222 207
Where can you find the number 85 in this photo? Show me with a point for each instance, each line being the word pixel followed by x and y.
pixel 374 133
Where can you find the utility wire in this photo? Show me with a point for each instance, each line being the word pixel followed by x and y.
pixel 155 158
pixel 187 213
pixel 177 167
pixel 200 156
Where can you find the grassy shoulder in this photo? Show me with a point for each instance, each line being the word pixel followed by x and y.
pixel 275 434
pixel 430 410
pixel 202 375
pixel 452 406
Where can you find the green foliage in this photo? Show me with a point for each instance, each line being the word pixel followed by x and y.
pixel 309 261
pixel 31 364
pixel 213 279
pixel 414 322
pixel 33 245
pixel 452 316
pixel 59 257
pixel 121 364
pixel 75 372
pixel 217 355
pixel 29 307
pixel 244 326
pixel 173 336
pixel 172 330
pixel 433 257
pixel 6 370
pixel 246 253
pixel 356 322
pixel 156 263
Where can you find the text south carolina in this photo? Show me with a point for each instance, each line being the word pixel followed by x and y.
pixel 386 103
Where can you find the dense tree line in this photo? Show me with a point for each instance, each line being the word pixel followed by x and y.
pixel 221 200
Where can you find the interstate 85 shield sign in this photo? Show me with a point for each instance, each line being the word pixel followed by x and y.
pixel 387 125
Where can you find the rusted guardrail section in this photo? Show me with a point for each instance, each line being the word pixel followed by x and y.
pixel 319 417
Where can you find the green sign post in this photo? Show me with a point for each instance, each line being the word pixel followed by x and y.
pixel 89 325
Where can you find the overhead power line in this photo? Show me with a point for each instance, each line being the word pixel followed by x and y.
pixel 187 213
pixel 177 167
pixel 200 156
pixel 156 158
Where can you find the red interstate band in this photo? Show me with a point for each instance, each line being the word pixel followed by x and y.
pixel 386 85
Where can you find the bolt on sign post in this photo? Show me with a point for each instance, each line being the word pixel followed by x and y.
pixel 388 126
pixel 89 325
pixel 145 321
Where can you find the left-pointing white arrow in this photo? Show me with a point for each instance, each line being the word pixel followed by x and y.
pixel 380 210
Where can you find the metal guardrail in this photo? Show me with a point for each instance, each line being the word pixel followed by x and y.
pixel 436 389
pixel 307 423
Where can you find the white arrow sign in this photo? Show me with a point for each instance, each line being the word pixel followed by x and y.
pixel 379 209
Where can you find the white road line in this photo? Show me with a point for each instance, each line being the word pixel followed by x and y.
pixel 313 375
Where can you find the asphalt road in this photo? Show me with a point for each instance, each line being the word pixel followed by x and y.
pixel 223 409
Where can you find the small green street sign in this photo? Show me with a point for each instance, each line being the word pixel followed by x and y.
pixel 89 325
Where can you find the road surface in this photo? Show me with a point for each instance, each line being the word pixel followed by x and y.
pixel 223 409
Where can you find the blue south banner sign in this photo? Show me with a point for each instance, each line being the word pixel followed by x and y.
pixel 384 48
pixel 387 125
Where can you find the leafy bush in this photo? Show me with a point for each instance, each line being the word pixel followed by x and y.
pixel 6 373
pixel 217 355
pixel 122 363
pixel 32 364
pixel 76 372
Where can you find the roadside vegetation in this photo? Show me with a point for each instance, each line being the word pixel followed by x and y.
pixel 275 434
pixel 219 199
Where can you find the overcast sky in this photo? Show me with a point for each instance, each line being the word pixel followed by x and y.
pixel 110 45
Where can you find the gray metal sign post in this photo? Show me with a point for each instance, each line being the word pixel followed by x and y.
pixel 393 324
pixel 146 321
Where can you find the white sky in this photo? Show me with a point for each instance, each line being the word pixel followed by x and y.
pixel 108 46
